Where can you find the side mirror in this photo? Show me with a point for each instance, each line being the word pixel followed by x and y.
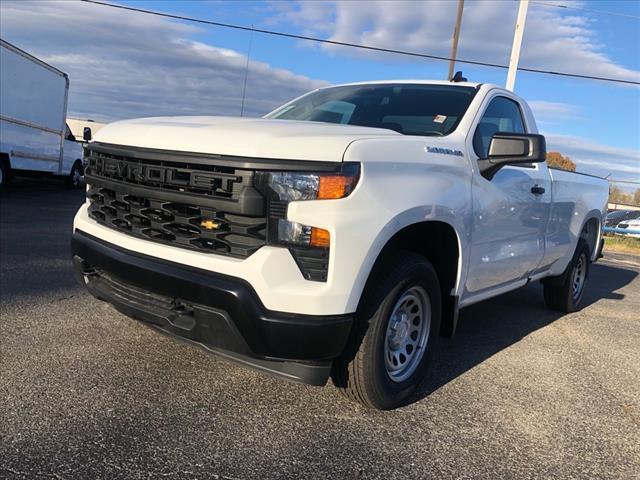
pixel 86 134
pixel 512 149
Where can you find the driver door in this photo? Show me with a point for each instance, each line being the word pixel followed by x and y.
pixel 511 210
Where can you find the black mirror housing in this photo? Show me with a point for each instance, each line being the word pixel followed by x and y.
pixel 511 149
pixel 86 134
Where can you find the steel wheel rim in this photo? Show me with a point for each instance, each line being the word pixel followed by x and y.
pixel 578 277
pixel 407 333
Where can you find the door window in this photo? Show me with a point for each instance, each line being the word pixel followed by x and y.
pixel 67 134
pixel 502 115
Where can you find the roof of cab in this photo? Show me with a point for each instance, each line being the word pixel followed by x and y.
pixel 409 81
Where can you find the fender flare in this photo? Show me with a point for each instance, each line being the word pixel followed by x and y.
pixel 408 218
pixel 596 215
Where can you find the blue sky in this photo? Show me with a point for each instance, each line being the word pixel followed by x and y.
pixel 170 67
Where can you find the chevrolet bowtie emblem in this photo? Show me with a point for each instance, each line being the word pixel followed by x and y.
pixel 209 224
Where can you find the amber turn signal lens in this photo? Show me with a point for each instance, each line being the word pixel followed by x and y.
pixel 320 238
pixel 334 186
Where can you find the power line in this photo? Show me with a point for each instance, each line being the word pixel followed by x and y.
pixel 624 181
pixel 571 7
pixel 354 45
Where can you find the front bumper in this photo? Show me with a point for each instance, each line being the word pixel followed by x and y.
pixel 218 312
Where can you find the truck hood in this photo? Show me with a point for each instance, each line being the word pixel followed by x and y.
pixel 245 137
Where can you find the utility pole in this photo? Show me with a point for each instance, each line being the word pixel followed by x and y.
pixel 517 42
pixel 456 35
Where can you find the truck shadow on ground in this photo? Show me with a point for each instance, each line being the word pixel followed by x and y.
pixel 36 216
pixel 488 327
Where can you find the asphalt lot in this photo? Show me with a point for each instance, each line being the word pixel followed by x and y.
pixel 520 392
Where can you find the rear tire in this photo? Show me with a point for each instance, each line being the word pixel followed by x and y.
pixel 564 293
pixel 74 180
pixel 5 172
pixel 397 325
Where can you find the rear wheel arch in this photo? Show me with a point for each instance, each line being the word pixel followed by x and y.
pixel 590 233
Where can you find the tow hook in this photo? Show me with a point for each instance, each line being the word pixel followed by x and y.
pixel 182 316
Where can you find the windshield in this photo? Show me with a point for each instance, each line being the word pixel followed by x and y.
pixel 410 109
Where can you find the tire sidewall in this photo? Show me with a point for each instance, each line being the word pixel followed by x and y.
pixel 77 167
pixel 393 392
pixel 582 250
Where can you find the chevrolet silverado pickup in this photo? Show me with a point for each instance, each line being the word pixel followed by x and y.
pixel 338 236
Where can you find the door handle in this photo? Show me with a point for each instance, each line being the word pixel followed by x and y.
pixel 537 190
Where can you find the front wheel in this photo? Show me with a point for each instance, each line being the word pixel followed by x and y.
pixel 564 293
pixel 74 180
pixel 396 328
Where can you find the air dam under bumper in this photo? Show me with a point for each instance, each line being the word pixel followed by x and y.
pixel 218 312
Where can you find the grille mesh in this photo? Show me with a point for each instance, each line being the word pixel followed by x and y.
pixel 177 224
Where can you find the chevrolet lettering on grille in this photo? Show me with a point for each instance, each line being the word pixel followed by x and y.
pixel 176 177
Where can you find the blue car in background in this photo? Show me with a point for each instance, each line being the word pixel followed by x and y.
pixel 616 216
pixel 625 222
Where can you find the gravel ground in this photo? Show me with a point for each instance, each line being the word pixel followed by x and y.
pixel 520 392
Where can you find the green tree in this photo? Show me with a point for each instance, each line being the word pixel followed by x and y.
pixel 616 195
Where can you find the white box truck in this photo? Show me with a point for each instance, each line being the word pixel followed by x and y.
pixel 34 137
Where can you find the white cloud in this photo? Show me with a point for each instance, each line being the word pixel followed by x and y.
pixel 123 64
pixel 597 159
pixel 552 40
pixel 553 112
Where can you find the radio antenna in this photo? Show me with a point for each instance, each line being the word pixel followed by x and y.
pixel 246 73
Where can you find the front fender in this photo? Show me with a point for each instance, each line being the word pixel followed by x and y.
pixel 408 218
pixel 388 198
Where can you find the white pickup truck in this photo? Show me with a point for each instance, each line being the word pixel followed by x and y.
pixel 339 235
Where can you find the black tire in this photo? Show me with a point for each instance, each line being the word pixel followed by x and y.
pixel 559 292
pixel 74 179
pixel 361 373
pixel 5 172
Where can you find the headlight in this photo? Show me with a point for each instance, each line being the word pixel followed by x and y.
pixel 284 187
pixel 292 187
pixel 296 186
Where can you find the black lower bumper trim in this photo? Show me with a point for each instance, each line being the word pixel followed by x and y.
pixel 221 313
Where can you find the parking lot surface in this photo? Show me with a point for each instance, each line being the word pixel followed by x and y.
pixel 520 392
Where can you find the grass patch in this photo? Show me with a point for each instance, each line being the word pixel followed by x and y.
pixel 619 243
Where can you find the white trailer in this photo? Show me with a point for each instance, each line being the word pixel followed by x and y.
pixel 34 137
